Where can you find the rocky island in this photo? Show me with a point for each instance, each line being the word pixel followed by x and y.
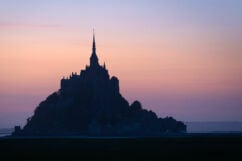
pixel 90 104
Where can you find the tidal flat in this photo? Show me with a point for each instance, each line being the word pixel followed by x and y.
pixel 169 147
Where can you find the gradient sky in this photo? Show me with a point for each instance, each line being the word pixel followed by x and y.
pixel 180 58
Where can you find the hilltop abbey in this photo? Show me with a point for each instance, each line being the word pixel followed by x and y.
pixel 94 75
pixel 90 104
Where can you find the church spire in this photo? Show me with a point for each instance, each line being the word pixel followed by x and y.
pixel 93 43
pixel 94 58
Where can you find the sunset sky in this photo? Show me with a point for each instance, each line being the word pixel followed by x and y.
pixel 180 58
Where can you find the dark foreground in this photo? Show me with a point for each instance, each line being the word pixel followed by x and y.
pixel 186 147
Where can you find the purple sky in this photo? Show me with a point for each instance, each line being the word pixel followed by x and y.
pixel 180 58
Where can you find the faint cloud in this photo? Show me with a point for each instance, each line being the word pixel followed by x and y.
pixel 27 25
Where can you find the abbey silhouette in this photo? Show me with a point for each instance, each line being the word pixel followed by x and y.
pixel 90 104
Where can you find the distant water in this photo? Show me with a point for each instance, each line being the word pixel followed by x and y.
pixel 192 127
pixel 5 131
pixel 214 127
